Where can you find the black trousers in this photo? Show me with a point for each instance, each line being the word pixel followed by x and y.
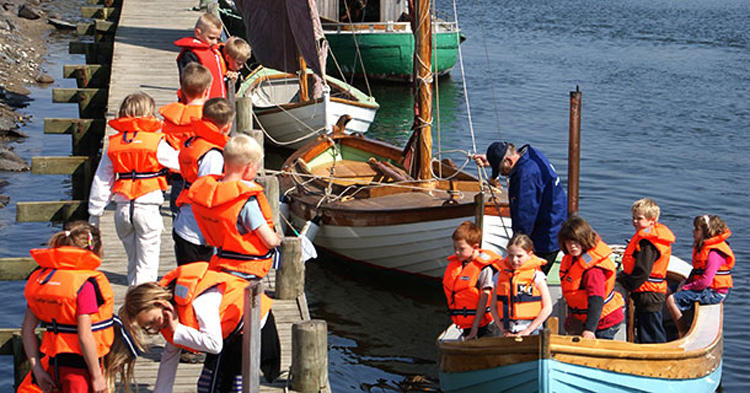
pixel 186 252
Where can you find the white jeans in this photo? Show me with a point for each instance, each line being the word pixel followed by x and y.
pixel 141 238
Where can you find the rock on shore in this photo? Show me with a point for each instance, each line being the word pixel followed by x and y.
pixel 23 26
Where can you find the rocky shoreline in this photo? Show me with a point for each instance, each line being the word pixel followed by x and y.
pixel 23 29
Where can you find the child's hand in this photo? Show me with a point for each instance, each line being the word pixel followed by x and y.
pixel 43 379
pixel 99 384
pixel 233 75
pixel 508 333
pixel 588 334
pixel 170 317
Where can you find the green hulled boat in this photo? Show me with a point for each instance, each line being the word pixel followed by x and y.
pixel 380 31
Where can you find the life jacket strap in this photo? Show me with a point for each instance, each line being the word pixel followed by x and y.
pixel 141 175
pixel 657 280
pixel 58 328
pixel 243 257
pixel 575 310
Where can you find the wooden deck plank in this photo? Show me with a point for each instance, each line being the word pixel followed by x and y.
pixel 143 59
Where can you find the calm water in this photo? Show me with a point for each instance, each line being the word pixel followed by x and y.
pixel 666 104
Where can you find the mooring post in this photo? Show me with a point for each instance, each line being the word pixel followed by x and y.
pixel 271 189
pixel 290 279
pixel 244 107
pixel 309 370
pixel 251 338
pixel 574 151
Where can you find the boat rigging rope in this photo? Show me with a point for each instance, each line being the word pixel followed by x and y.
pixel 359 54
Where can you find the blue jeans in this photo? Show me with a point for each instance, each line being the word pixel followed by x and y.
pixel 608 333
pixel 684 299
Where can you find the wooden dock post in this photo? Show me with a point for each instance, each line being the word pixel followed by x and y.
pixel 251 338
pixel 309 372
pixel 290 279
pixel 244 114
pixel 271 189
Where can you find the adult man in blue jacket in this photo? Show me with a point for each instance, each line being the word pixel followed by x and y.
pixel 538 203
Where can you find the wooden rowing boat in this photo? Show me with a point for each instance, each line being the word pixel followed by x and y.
pixel 555 363
pixel 371 211
pixel 292 122
pixel 552 362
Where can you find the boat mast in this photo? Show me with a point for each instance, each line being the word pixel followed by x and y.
pixel 422 128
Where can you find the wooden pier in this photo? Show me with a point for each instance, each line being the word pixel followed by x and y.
pixel 114 265
pixel 139 36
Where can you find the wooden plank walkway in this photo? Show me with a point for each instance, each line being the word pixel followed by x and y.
pixel 144 59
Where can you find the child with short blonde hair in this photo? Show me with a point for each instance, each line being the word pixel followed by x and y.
pixel 467 282
pixel 200 155
pixel 520 300
pixel 710 281
pixel 202 48
pixel 234 215
pixel 133 170
pixel 644 274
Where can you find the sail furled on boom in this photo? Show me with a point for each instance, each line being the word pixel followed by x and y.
pixel 281 30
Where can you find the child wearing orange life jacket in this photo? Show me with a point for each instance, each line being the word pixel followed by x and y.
pixel 200 155
pixel 224 60
pixel 195 82
pixel 645 263
pixel 234 215
pixel 467 282
pixel 74 302
pixel 587 279
pixel 710 281
pixel 201 48
pixel 521 299
pixel 199 309
pixel 133 168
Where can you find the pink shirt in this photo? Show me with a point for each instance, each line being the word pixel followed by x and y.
pixel 86 300
pixel 699 283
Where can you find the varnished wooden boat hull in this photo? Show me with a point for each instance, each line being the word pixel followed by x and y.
pixel 557 363
pixel 406 230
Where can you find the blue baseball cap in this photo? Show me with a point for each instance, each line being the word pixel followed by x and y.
pixel 495 154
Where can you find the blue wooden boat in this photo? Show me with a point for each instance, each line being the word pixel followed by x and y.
pixel 557 363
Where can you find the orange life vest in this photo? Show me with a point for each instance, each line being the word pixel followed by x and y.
pixel 211 58
pixel 191 280
pixel 216 206
pixel 207 137
pixel 178 119
pixel 133 154
pixel 460 287
pixel 571 277
pixel 723 276
pixel 517 296
pixel 51 294
pixel 662 238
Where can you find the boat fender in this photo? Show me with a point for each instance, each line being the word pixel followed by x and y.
pixel 311 228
